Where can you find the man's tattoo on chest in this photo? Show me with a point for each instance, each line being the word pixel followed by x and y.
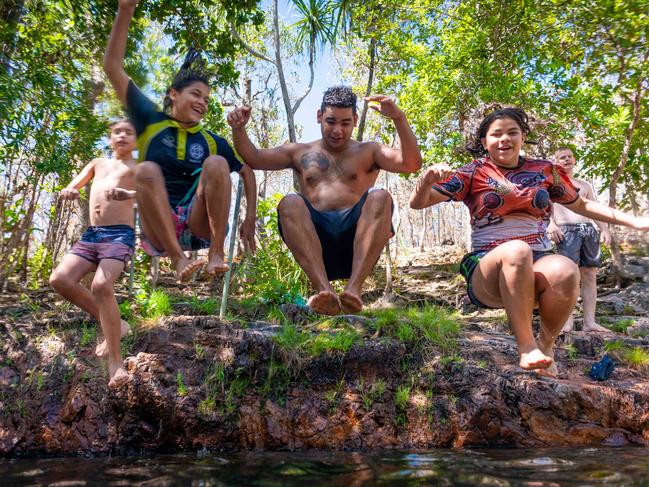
pixel 310 158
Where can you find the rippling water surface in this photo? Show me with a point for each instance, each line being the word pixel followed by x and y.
pixel 524 467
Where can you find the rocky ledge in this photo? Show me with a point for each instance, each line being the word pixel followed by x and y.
pixel 198 382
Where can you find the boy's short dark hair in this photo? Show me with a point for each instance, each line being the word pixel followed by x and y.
pixel 339 97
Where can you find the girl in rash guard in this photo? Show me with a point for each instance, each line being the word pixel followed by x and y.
pixel 511 264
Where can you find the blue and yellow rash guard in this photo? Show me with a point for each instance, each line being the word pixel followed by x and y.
pixel 180 152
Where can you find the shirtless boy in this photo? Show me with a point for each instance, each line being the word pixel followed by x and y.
pixel 106 245
pixel 338 225
pixel 577 238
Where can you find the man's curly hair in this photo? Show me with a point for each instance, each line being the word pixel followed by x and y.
pixel 340 97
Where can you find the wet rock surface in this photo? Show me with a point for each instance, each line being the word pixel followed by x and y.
pixel 238 392
pixel 199 382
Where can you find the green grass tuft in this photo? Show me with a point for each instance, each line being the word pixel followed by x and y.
pixel 157 304
pixel 209 306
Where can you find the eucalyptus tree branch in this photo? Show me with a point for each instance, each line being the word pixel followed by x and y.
pixel 298 102
pixel 247 47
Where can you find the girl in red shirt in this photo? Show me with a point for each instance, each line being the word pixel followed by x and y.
pixel 511 264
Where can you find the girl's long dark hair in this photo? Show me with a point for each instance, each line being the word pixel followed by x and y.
pixel 476 148
pixel 192 69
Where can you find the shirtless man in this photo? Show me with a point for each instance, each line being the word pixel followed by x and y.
pixel 577 238
pixel 338 225
pixel 106 245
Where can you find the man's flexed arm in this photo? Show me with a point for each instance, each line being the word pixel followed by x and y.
pixel 406 159
pixel 265 159
pixel 116 48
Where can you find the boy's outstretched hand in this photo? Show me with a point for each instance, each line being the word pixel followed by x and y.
pixel 119 194
pixel 69 194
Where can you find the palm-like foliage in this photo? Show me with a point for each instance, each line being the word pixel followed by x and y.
pixel 316 26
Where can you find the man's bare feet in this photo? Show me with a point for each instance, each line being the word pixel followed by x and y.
pixel 185 268
pixel 216 266
pixel 102 349
pixel 351 303
pixel 535 359
pixel 118 376
pixel 325 303
pixel 596 328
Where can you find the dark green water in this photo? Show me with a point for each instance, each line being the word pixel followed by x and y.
pixel 533 467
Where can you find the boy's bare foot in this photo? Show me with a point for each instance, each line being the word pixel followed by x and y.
pixel 547 348
pixel 325 303
pixel 351 303
pixel 596 328
pixel 551 371
pixel 535 359
pixel 118 376
pixel 216 266
pixel 102 349
pixel 185 268
pixel 568 326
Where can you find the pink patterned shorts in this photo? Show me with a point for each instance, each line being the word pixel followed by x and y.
pixel 186 239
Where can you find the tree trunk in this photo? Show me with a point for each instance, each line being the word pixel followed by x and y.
pixel 10 15
pixel 368 90
pixel 612 200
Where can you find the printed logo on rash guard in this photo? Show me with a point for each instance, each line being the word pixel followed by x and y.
pixel 196 152
pixel 541 199
pixel 492 201
pixel 454 185
pixel 499 186
pixel 169 141
pixel 527 179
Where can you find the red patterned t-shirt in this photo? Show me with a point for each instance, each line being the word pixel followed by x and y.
pixel 509 203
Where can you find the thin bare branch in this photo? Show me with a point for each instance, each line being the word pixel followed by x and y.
pixel 247 47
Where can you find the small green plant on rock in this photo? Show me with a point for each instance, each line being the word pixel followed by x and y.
pixel 571 352
pixel 157 304
pixel 621 326
pixel 340 341
pixel 634 357
pixel 401 398
pixel 209 306
pixel 88 334
pixel 370 393
pixel 180 382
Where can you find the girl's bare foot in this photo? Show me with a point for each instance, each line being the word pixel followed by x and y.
pixel 325 303
pixel 535 359
pixel 185 268
pixel 102 349
pixel 350 302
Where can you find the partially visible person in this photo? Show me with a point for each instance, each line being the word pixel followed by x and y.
pixel 512 265
pixel 578 238
pixel 107 244
pixel 339 223
pixel 183 177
